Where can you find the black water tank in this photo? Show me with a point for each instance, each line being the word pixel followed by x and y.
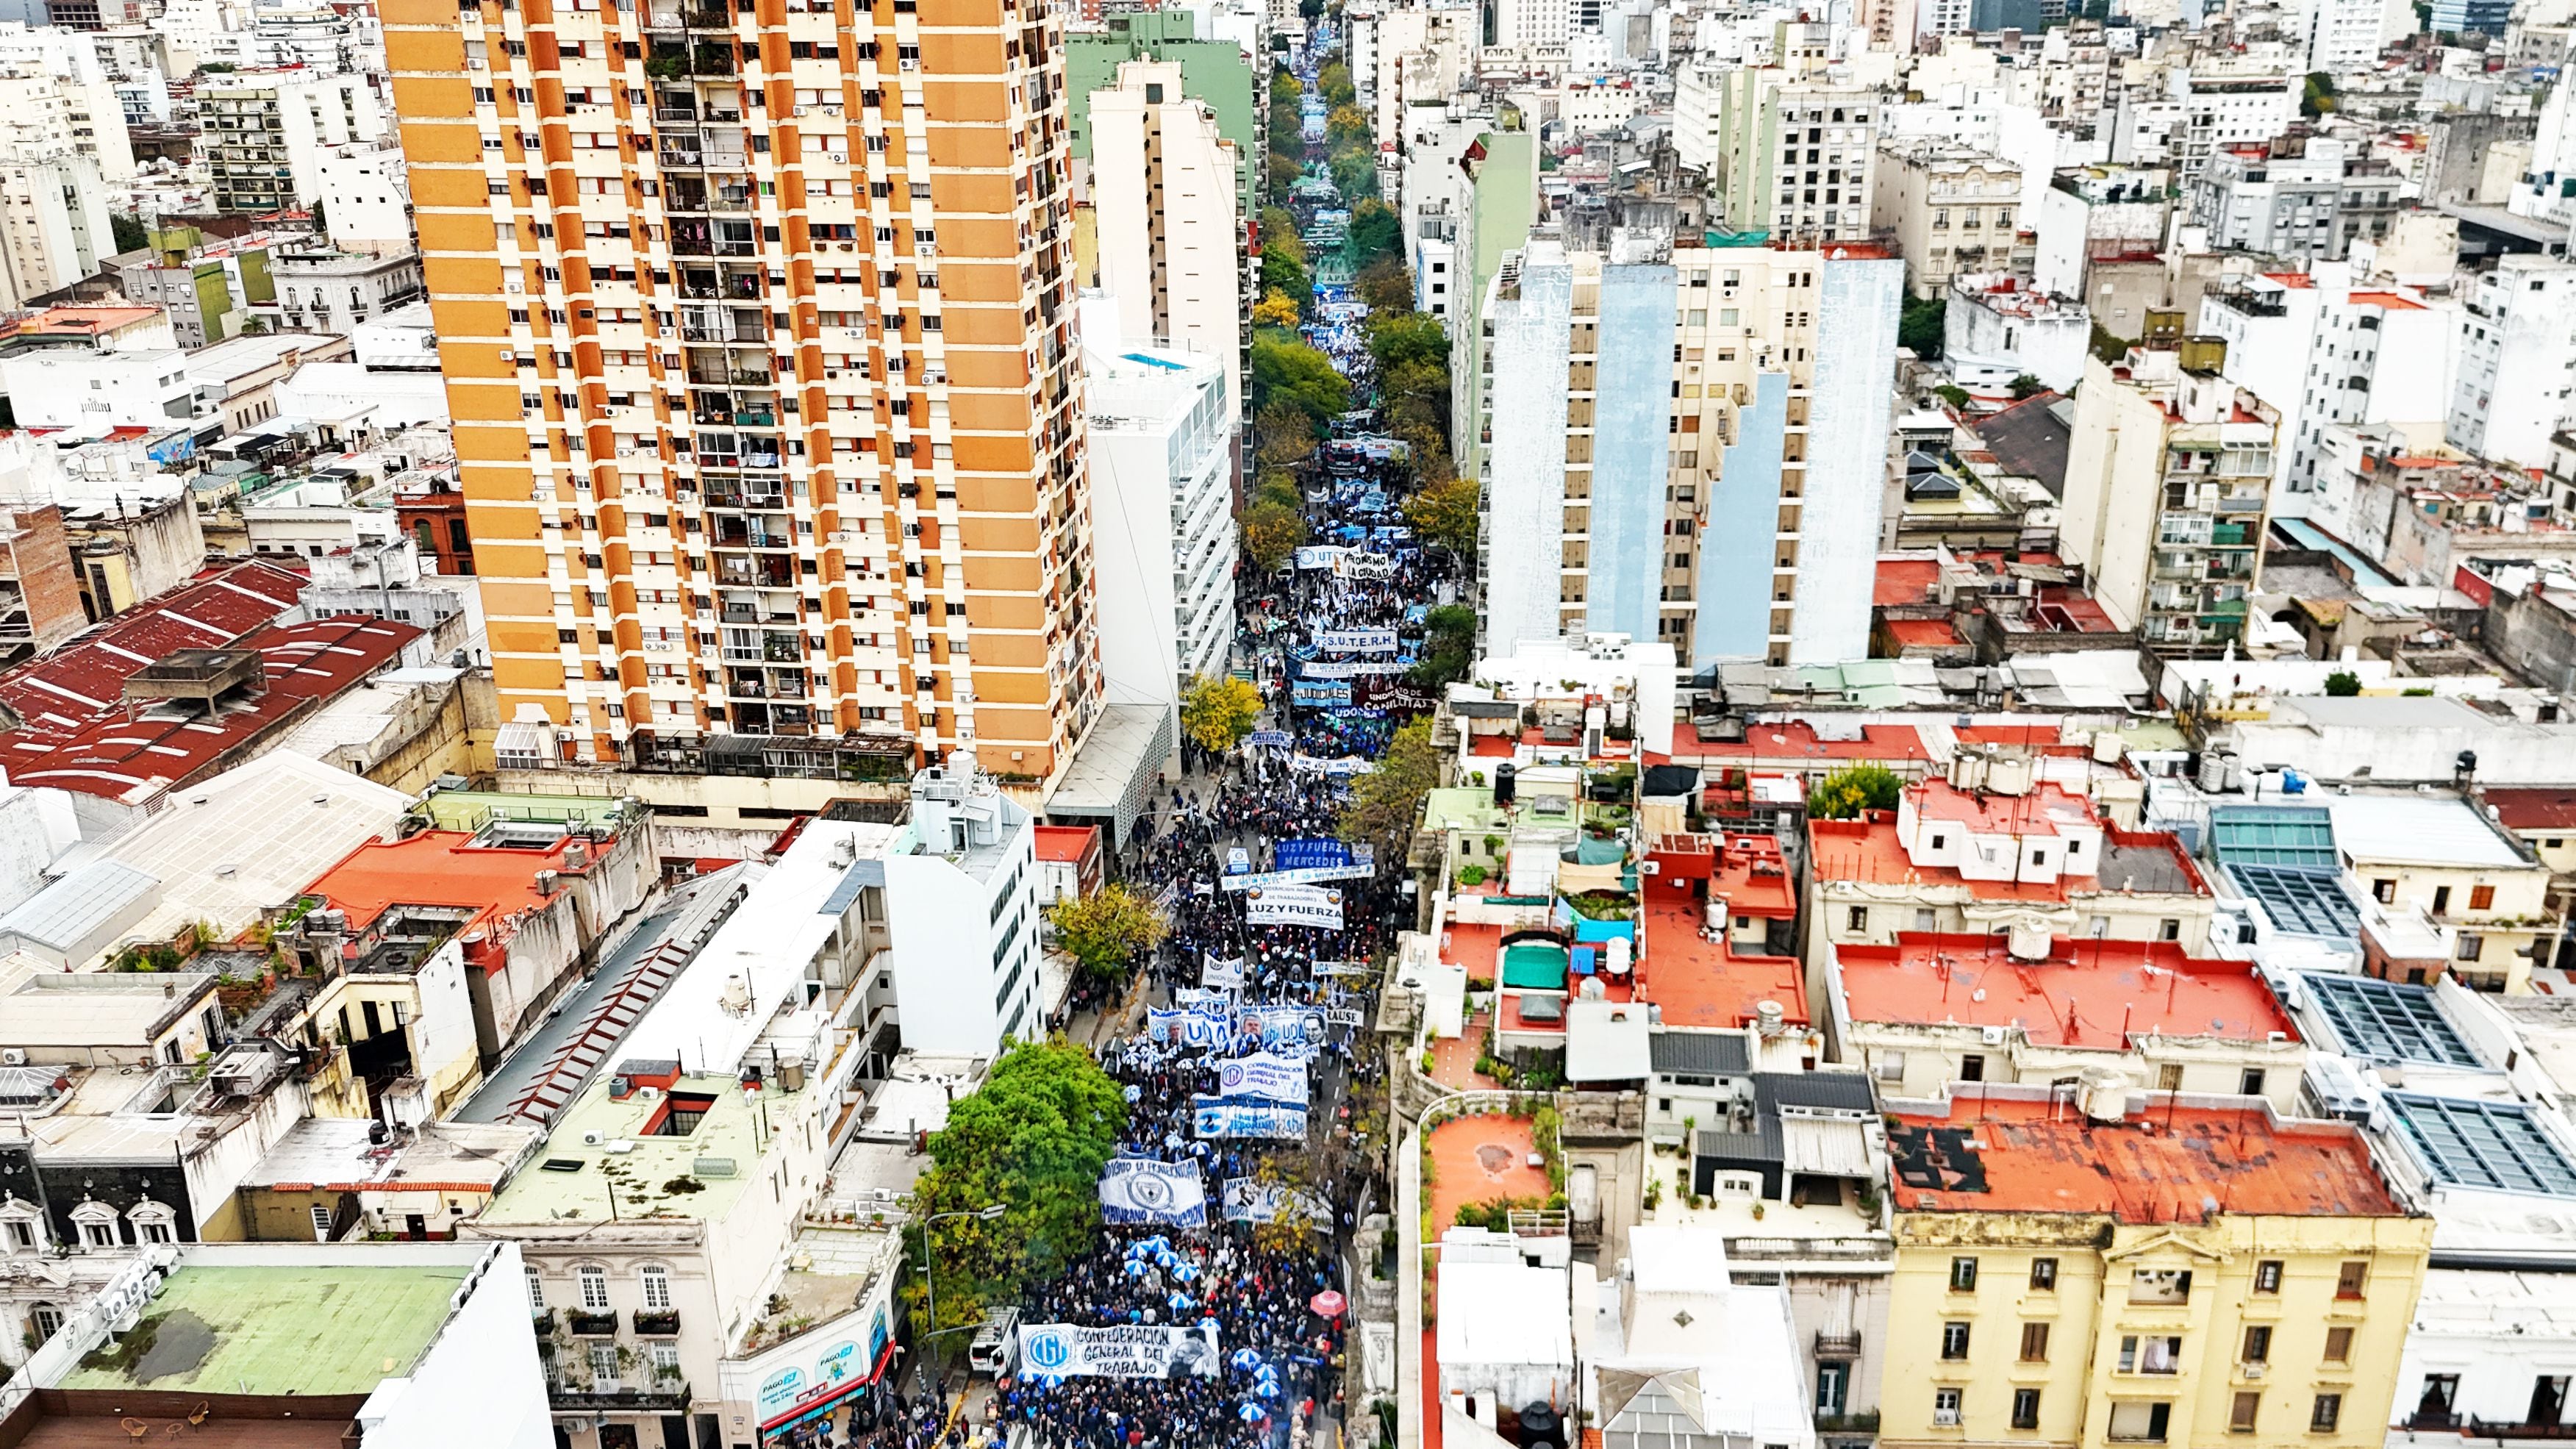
pixel 1540 1425
pixel 1503 777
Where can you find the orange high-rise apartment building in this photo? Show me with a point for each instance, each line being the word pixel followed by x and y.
pixel 757 333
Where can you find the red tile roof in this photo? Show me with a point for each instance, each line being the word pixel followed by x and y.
pixel 2159 1167
pixel 2544 808
pixel 2090 993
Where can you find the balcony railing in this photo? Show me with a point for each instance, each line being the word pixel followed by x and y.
pixel 592 1325
pixel 659 1325
pixel 667 1396
pixel 2507 1429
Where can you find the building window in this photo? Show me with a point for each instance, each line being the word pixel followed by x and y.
pixel 1833 1389
pixel 536 1291
pixel 1954 1340
pixel 1859 919
pixel 2140 1421
pixel 2482 898
pixel 2169 929
pixel 603 1368
pixel 2338 1345
pixel 594 1290
pixel 321 1223
pixel 1963 1275
pixel 666 1359
pixel 2258 1344
pixel 2250 1084
pixel 2327 1412
pixel 2025 1409
pixel 2034 1343
pixel 1891 1066
pixel 2267 1276
pixel 2155 1353
pixel 2043 1275
pixel 2350 1278
pixel 1972 1068
pixel 657 1289
pixel 1945 1408
pixel 47 1320
pixel 2240 1417
pixel 2472 946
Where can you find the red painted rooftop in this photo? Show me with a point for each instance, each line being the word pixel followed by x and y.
pixel 1796 739
pixel 2088 993
pixel 99 749
pixel 1905 581
pixel 1922 633
pixel 440 868
pixel 1704 983
pixel 1066 844
pixel 2046 810
pixel 2157 1167
pixel 88 674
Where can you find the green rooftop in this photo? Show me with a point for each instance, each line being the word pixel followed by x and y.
pixel 325 1329
pixel 1463 807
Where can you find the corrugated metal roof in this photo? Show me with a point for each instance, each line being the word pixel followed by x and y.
pixel 80 905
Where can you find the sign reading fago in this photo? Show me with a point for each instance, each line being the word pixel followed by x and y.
pixel 1122 1351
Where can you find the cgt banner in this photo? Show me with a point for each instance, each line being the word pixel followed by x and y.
pixel 1140 1190
pixel 1293 905
pixel 1248 1201
pixel 1123 1351
pixel 1214 1117
pixel 1271 1078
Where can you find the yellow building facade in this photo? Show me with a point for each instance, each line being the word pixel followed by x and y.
pixel 2189 1277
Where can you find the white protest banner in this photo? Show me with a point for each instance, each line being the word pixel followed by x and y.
pixel 1212 1117
pixel 1140 1190
pixel 1303 875
pixel 1247 1201
pixel 1356 641
pixel 1356 565
pixel 1355 669
pixel 1185 1028
pixel 1342 968
pixel 1221 975
pixel 1280 1027
pixel 1319 765
pixel 1320 556
pixel 1262 1075
pixel 1293 905
pixel 1123 1351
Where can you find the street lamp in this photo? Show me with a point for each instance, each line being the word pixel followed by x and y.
pixel 929 1278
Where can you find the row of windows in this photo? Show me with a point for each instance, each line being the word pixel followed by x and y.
pixel 590 1287
pixel 2145 1421
pixel 2164 1285
pixel 97 1224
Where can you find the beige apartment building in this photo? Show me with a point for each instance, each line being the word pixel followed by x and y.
pixel 1949 209
pixel 758 341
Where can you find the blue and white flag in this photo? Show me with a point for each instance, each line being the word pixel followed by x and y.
pixel 1284 1026
pixel 1270 1078
pixel 1304 875
pixel 1250 1201
pixel 1217 975
pixel 1141 1190
pixel 1187 1029
pixel 1299 851
pixel 1214 1117
pixel 1320 692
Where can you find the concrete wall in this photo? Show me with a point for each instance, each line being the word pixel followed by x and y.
pixel 1850 402
pixel 1525 487
pixel 1630 445
pixel 1735 544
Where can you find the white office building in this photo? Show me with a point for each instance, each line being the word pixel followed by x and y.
pixel 1163 188
pixel 2517 354
pixel 1162 455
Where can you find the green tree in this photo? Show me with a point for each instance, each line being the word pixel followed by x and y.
pixel 1402 339
pixel 2107 346
pixel 1334 81
pixel 1280 173
pixel 1285 370
pixel 1385 802
pixel 2317 97
pixel 1954 395
pixel 1104 930
pixel 1271 532
pixel 1845 793
pixel 1279 488
pixel 1355 175
pixel 131 234
pixel 1445 513
pixel 1283 436
pixel 1032 1140
pixel 1345 127
pixel 2343 684
pixel 1375 234
pixel 1217 712
pixel 1281 272
pixel 1386 285
pixel 2026 386
pixel 1275 309
pixel 1279 234
pixel 1286 89
pixel 1918 325
pixel 1448 645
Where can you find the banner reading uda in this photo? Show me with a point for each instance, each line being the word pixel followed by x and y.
pixel 1214 1117
pixel 1139 1190
pixel 1224 975
pixel 1248 1201
pixel 1293 905
pixel 1186 1028
pixel 1263 1075
pixel 1123 1351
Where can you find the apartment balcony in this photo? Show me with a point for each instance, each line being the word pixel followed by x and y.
pixel 591 1325
pixel 669 1396
pixel 2508 1429
pixel 658 1325
pixel 1837 1345
pixel 545 1323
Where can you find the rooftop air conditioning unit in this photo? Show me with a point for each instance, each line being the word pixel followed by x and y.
pixel 13 1057
pixel 1994 1036
pixel 593 1139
